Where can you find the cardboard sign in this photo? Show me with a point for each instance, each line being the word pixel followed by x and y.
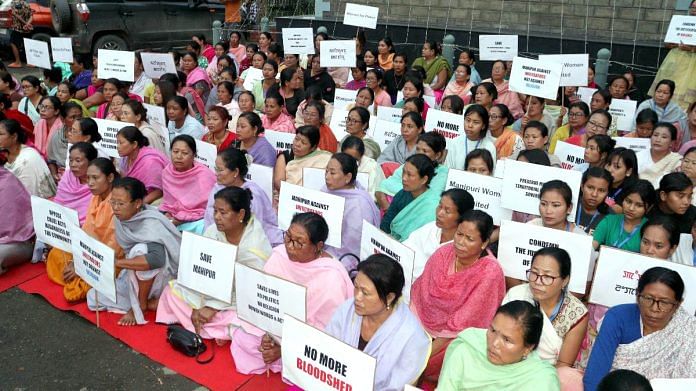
pixel 313 360
pixel 296 199
pixel 570 155
pixel 207 266
pixel 61 49
pixel 343 98
pixel 298 40
pixel 252 76
pixel 682 29
pixel 118 64
pixel 337 53
pixel 155 114
pixel 391 114
pixel 385 132
pixel 574 71
pixel 518 243
pixel 338 123
pixel 634 143
pixel 534 77
pixel 617 274
pixel 585 94
pixel 622 113
pixel 108 130
pixel 499 169
pixel 361 16
pixel 264 299
pixel 522 182
pixel 314 178
pixel 157 64
pixel 262 176
pixel 497 47
pixel 53 223
pixel 37 53
pixel 94 262
pixel 375 241
pixel 282 141
pixel 486 191
pixel 206 154
pixel 449 125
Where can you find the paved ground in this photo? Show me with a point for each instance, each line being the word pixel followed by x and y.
pixel 43 348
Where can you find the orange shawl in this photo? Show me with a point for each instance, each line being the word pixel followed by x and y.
pixel 505 144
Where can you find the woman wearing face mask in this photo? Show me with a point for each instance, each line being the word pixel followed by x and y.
pixel 623 167
pixel 404 145
pixel 666 109
pixel 674 199
pixel 565 316
pixel 476 122
pixel 659 160
pixel 506 140
pixel 505 96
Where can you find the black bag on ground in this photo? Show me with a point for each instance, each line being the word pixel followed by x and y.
pixel 188 343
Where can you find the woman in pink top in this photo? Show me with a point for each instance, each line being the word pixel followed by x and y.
pixel 505 96
pixel 50 122
pixel 274 117
pixel 236 48
pixel 375 80
pixel 461 85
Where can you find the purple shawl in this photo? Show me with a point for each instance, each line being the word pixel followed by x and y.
pixel 147 168
pixel 15 208
pixel 261 207
pixel 73 194
pixel 263 152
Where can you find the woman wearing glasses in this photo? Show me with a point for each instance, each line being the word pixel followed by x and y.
pixel 652 336
pixel 598 123
pixel 565 317
pixel 578 114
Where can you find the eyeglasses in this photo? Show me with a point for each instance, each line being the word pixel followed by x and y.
pixel 662 305
pixel 117 204
pixel 596 125
pixel 533 276
pixel 576 115
pixel 352 120
pixel 44 107
pixel 495 117
pixel 292 242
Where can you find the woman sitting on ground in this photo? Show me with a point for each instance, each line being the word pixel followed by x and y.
pixel 249 130
pixel 357 124
pixel 355 147
pixel 17 234
pixel 141 162
pixel 658 160
pixel 674 199
pixel 305 153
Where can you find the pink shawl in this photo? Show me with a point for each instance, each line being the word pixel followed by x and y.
pixel 186 193
pixel 447 302
pixel 284 123
pixel 509 99
pixel 15 209
pixel 147 168
pixel 73 194
pixel 455 89
pixel 197 74
pixel 209 52
pixel 239 53
pixel 42 135
pixel 326 280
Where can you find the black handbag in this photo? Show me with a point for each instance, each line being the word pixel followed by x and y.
pixel 188 343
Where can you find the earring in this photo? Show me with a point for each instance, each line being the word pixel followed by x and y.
pixel 388 307
pixel 241 220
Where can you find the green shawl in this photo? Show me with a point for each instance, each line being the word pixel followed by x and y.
pixel 466 367
pixel 416 214
pixel 432 69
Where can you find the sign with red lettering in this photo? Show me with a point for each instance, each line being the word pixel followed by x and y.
pixel 570 155
pixel 682 29
pixel 449 125
pixel 94 262
pixel 537 78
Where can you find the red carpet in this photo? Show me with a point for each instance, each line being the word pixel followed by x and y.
pixel 19 274
pixel 151 341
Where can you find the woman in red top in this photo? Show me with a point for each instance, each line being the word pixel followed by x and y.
pixel 218 134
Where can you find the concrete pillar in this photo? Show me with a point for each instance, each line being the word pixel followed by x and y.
pixel 322 29
pixel 263 26
pixel 448 48
pixel 217 31
pixel 602 67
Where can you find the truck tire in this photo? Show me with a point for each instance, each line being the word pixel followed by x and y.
pixel 110 42
pixel 61 16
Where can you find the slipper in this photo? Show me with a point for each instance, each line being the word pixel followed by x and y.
pixel 15 65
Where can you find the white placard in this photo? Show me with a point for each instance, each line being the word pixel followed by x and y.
pixel 574 71
pixel 118 64
pixel 264 299
pixel 206 154
pixel 518 242
pixel 337 53
pixel 281 141
pixel 207 266
pixel 108 130
pixel 391 114
pixel 262 176
pixel 522 182
pixel 682 29
pixel 486 191
pixel 570 155
pixel 497 47
pixel 252 76
pixel 296 199
pixel 409 387
pixel 617 274
pixel 534 77
pixel 298 40
pixel 313 360
pixel 622 113
pixel 430 101
pixel 375 241
pixel 155 114
pixel 361 16
pixel 37 53
pixel 673 384
pixel 635 143
pixel 94 262
pixel 61 49
pixel 449 125
pixel 338 123
pixel 585 94
pixel 499 169
pixel 157 64
pixel 343 98
pixel 385 132
pixel 53 223
pixel 314 178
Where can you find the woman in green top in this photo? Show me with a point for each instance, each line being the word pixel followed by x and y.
pixel 415 205
pixel 623 230
pixel 503 357
pixel 437 69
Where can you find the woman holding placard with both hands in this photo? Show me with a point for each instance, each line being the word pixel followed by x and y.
pixel 301 260
pixel 378 323
pixel 234 224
